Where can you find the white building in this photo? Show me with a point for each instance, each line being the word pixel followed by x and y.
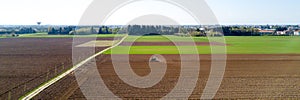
pixel 281 32
pixel 297 33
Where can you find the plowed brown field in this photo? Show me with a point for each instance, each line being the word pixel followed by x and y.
pixel 25 63
pixel 246 77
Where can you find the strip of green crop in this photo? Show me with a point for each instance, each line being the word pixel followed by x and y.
pixel 236 45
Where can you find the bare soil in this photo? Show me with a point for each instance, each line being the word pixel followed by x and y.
pixel 25 63
pixel 246 77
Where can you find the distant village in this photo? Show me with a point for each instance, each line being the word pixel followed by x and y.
pixel 194 30
pixel 277 30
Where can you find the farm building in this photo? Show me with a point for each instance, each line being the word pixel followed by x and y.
pixel 281 32
pixel 267 32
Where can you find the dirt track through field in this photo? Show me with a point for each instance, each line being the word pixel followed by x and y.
pixel 25 63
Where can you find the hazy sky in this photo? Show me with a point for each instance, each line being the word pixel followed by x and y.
pixel 256 11
pixel 68 12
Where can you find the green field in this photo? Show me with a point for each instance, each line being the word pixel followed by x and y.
pixel 165 38
pixel 237 45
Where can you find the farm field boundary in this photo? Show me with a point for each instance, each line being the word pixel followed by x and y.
pixel 42 87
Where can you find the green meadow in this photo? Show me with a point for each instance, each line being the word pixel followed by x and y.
pixel 236 45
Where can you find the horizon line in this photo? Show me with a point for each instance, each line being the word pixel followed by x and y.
pixel 138 24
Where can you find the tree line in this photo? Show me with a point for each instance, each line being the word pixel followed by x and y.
pixel 151 29
pixel 23 30
pixel 71 30
pixel 171 30
pixel 212 30
pixel 185 30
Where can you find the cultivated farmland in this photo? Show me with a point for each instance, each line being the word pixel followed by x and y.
pixel 28 62
pixel 257 67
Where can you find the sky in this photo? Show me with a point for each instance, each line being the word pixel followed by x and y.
pixel 69 12
pixel 256 11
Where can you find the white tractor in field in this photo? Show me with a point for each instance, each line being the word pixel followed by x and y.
pixel 154 59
